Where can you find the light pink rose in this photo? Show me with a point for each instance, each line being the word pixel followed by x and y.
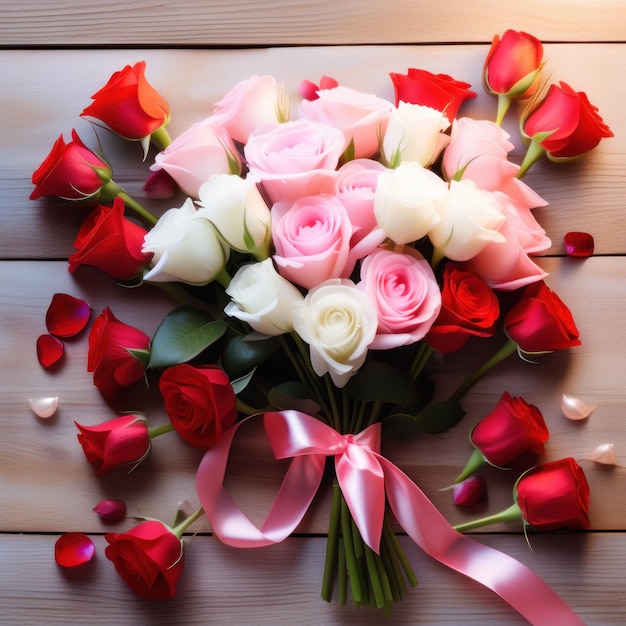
pixel 294 159
pixel 361 117
pixel 406 295
pixel 201 151
pixel 250 104
pixel 312 239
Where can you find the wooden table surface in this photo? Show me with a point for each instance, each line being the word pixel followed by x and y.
pixel 53 56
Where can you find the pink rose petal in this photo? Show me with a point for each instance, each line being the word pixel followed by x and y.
pixel 66 316
pixel 73 549
pixel 578 244
pixel 111 510
pixel 49 350
pixel 469 492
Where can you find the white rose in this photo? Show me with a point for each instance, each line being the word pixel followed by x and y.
pixel 407 202
pixel 339 322
pixel 185 248
pixel 263 298
pixel 414 133
pixel 237 210
pixel 470 219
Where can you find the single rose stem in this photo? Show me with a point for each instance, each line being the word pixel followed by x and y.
pixel 476 461
pixel 139 209
pixel 161 138
pixel 504 102
pixel 160 430
pixel 509 348
pixel 511 514
pixel 179 529
pixel 533 154
pixel 401 556
pixel 348 542
pixel 332 544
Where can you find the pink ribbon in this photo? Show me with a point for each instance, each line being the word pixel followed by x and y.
pixel 366 479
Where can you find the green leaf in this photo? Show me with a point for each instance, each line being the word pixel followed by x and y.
pixel 382 382
pixel 294 395
pixel 239 384
pixel 243 354
pixel 183 334
pixel 434 419
pixel 143 356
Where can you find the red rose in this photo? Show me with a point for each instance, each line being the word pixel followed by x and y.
pixel 512 65
pixel 541 322
pixel 149 558
pixel 116 442
pixel 113 366
pixel 469 307
pixel 71 172
pixel 200 402
pixel 554 495
pixel 512 428
pixel 129 105
pixel 568 118
pixel 437 91
pixel 111 242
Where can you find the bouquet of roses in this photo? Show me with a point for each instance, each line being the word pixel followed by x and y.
pixel 320 256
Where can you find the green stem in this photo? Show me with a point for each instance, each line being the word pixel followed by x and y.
pixel 511 514
pixel 131 203
pixel 161 138
pixel 421 358
pixel 332 544
pixel 533 154
pixel 160 430
pixel 351 564
pixel 504 102
pixel 186 523
pixel 223 278
pixel 476 461
pixel 436 258
pixel 509 348
pixel 374 576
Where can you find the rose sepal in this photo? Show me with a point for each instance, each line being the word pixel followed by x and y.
pixel 475 462
pixel 510 514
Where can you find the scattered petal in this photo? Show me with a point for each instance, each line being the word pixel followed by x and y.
pixel 66 316
pixel 111 510
pixel 575 409
pixel 470 491
pixel 44 407
pixel 160 186
pixel 604 454
pixel 308 90
pixel 73 549
pixel 578 244
pixel 49 350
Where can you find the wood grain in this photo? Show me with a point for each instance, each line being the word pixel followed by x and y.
pixel 286 22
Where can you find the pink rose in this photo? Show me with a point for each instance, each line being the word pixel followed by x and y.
pixel 361 117
pixel 252 103
pixel 294 159
pixel 406 295
pixel 312 239
pixel 192 158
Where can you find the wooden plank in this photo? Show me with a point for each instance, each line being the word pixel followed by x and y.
pixel 280 584
pixel 219 22
pixel 584 195
pixel 41 463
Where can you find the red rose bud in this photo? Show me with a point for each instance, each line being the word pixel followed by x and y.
pixel 111 510
pixel 540 322
pixel 130 106
pixel 554 495
pixel 149 558
pixel 437 91
pixel 469 492
pixel 511 429
pixel 564 125
pixel 71 172
pixel 549 496
pixel 110 242
pixel 468 307
pixel 113 366
pixel 200 402
pixel 119 441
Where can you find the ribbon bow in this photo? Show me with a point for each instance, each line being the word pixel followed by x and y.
pixel 366 479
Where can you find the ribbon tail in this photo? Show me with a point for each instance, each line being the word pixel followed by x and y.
pixel 515 583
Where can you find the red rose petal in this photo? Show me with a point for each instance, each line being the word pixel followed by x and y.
pixel 578 244
pixel 49 350
pixel 111 510
pixel 73 549
pixel 66 316
pixel 469 492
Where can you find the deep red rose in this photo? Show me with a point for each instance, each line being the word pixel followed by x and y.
pixel 438 91
pixel 512 65
pixel 554 495
pixel 541 322
pixel 575 121
pixel 468 307
pixel 120 441
pixel 149 557
pixel 111 242
pixel 200 402
pixel 71 172
pixel 512 428
pixel 129 105
pixel 113 366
